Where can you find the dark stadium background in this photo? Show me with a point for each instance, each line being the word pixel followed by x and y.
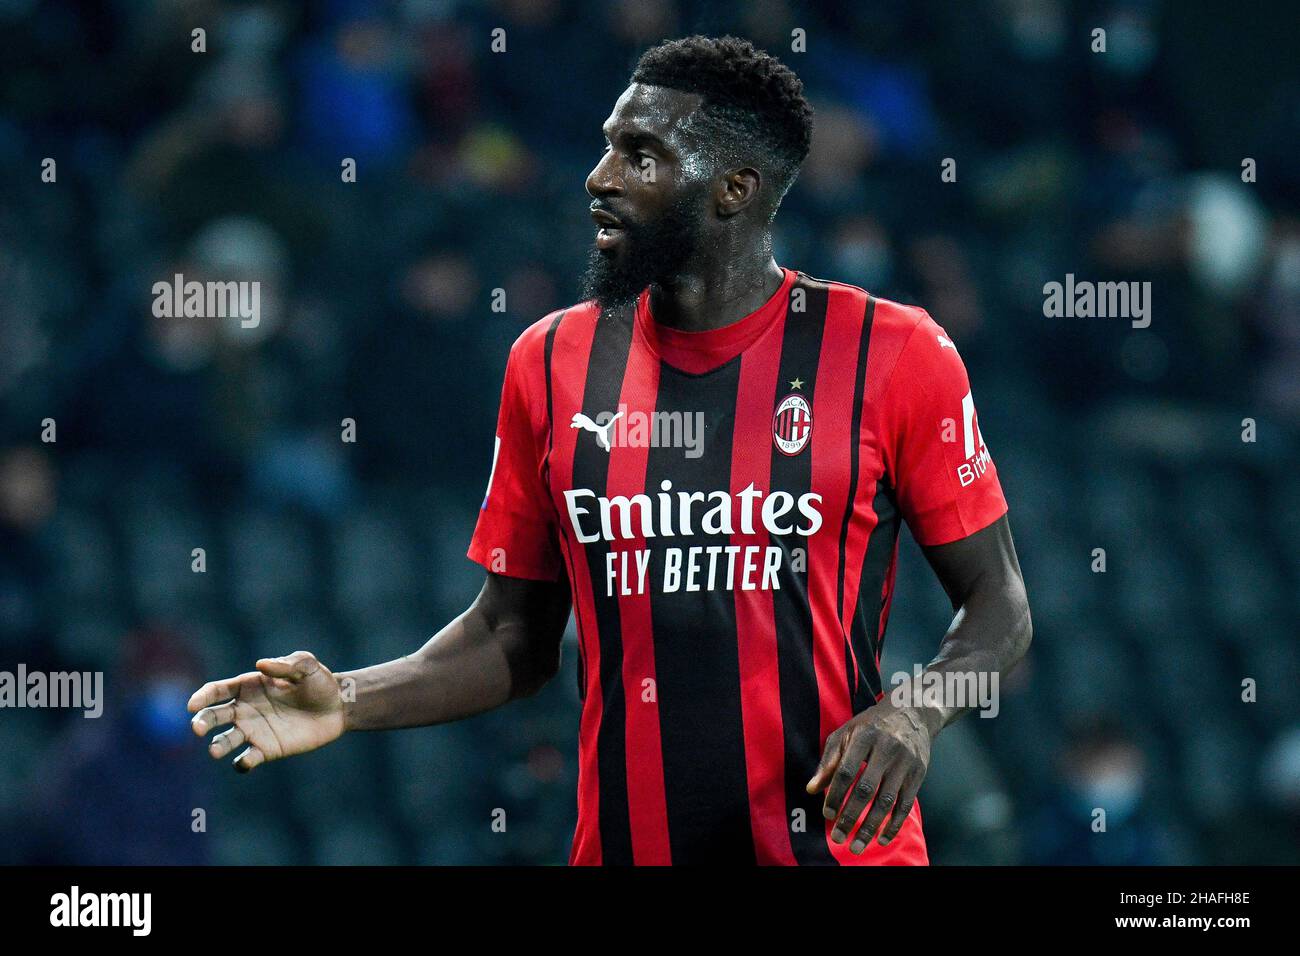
pixel 377 306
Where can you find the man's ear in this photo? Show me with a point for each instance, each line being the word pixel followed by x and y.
pixel 738 189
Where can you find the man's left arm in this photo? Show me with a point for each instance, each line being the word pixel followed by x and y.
pixel 989 634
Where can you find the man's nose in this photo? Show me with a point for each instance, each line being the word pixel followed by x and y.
pixel 602 181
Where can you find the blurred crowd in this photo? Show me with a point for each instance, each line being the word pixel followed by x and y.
pixel 128 441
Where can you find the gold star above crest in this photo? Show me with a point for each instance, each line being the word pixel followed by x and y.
pixel 797 383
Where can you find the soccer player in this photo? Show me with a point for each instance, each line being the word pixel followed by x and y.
pixel 707 462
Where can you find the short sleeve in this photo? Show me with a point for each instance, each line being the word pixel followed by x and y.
pixel 516 534
pixel 935 455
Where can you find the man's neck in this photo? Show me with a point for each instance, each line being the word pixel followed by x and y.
pixel 717 292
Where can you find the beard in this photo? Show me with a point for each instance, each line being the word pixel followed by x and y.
pixel 649 253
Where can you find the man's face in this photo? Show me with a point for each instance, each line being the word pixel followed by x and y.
pixel 650 196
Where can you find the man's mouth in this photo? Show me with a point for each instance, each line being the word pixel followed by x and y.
pixel 610 231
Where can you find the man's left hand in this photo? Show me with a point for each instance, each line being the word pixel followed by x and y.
pixel 894 745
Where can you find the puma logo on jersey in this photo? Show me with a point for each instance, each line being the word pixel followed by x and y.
pixel 602 431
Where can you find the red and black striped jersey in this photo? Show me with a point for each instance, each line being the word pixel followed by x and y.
pixel 725 506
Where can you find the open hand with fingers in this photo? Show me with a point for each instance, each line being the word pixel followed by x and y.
pixel 288 706
pixel 882 753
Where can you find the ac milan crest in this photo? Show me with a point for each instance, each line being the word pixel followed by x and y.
pixel 792 424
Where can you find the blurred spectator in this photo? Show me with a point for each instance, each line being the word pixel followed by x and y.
pixel 1099 815
pixel 28 498
pixel 125 788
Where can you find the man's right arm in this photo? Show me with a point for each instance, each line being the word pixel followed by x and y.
pixel 506 645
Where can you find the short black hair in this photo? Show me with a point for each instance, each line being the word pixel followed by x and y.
pixel 752 101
